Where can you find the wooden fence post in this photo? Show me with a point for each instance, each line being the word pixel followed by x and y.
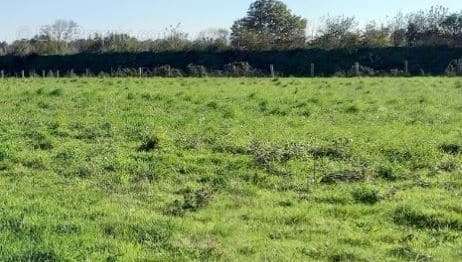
pixel 406 67
pixel 272 70
pixel 2 74
pixel 57 73
pixel 87 72
pixel 44 74
pixel 72 73
pixel 357 68
pixel 169 71
pixel 312 70
pixel 140 71
pixel 459 66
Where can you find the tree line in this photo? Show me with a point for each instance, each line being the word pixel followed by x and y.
pixel 268 26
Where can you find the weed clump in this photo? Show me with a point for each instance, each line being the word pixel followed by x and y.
pixel 353 109
pixel 458 85
pixel 149 144
pixel 410 216
pixel 398 155
pixel 387 173
pixel 448 166
pixel 451 149
pixel 36 255
pixel 3 152
pixel 192 201
pixel 40 141
pixel 153 234
pixel 409 254
pixel 333 153
pixel 366 195
pixel 343 177
pixel 67 229
pixel 212 105
pixel 56 92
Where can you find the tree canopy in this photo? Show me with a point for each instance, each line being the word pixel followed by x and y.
pixel 269 24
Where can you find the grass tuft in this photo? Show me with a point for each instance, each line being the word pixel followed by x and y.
pixel 149 144
pixel 414 217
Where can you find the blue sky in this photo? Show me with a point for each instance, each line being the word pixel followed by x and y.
pixel 22 18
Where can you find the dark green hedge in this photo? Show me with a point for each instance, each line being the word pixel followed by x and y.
pixel 430 61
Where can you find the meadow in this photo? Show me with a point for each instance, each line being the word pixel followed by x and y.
pixel 233 169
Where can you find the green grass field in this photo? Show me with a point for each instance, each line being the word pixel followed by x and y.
pixel 231 169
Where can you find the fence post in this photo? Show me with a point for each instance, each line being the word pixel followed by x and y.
pixel 72 73
pixel 44 74
pixel 312 70
pixel 140 70
pixel 357 68
pixel 406 67
pixel 272 70
pixel 459 66
pixel 87 72
pixel 2 74
pixel 169 71
pixel 57 73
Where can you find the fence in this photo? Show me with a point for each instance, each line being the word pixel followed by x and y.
pixel 306 63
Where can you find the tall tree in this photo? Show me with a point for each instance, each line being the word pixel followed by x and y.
pixel 269 24
pixel 212 39
pixel 424 27
pixel 452 29
pixel 375 35
pixel 338 32
pixel 61 30
pixel 55 38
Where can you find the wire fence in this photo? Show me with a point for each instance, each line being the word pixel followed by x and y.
pixel 236 69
